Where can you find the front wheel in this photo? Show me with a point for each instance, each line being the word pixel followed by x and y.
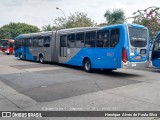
pixel 20 56
pixel 41 59
pixel 87 66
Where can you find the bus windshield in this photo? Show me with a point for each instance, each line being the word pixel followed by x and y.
pixel 138 37
pixel 3 43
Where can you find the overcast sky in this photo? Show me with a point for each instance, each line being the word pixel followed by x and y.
pixel 43 12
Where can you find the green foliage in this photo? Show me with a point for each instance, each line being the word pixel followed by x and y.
pixel 114 17
pixel 14 29
pixel 74 20
pixel 79 20
pixel 149 17
pixel 48 28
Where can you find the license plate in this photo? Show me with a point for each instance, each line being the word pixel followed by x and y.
pixel 133 64
pixel 138 57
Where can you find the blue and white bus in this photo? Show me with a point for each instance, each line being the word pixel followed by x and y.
pixel 155 55
pixel 109 47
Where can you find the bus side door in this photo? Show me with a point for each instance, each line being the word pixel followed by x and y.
pixel 47 48
pixel 63 46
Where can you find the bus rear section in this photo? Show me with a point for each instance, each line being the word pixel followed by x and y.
pixel 155 55
pixel 6 46
pixel 135 53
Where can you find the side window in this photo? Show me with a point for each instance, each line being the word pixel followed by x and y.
pixel 20 42
pixel 28 41
pixel 40 42
pixel 102 39
pixel 46 41
pixel 11 45
pixel 80 40
pixel 114 38
pixel 34 42
pixel 157 45
pixel 71 40
pixel 90 39
pixel 63 41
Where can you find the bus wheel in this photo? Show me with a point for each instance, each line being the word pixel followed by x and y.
pixel 41 59
pixel 20 56
pixel 87 65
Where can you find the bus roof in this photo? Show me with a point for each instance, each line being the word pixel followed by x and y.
pixel 73 30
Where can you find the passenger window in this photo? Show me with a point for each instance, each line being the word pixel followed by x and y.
pixel 114 39
pixel 40 42
pixel 63 41
pixel 102 39
pixel 80 40
pixel 35 42
pixel 28 41
pixel 71 40
pixel 46 42
pixel 11 45
pixel 157 45
pixel 90 39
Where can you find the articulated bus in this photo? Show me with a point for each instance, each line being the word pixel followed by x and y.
pixel 109 47
pixel 155 55
pixel 6 46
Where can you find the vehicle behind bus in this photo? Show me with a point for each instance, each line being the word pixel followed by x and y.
pixel 109 47
pixel 155 55
pixel 6 46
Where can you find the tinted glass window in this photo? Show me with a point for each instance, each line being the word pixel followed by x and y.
pixel 11 45
pixel 138 37
pixel 28 41
pixel 157 45
pixel 63 41
pixel 3 43
pixel 114 38
pixel 40 42
pixel 90 39
pixel 79 40
pixel 34 42
pixel 46 42
pixel 102 39
pixel 71 40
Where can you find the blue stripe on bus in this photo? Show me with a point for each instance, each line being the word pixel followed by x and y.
pixel 29 55
pixel 98 57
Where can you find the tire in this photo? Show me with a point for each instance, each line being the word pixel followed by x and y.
pixel 20 56
pixel 41 59
pixel 87 66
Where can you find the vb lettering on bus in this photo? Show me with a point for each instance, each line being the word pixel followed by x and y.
pixel 109 47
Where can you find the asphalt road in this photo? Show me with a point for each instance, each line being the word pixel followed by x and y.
pixel 33 86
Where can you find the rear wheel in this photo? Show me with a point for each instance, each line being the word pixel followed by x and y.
pixel 20 56
pixel 41 59
pixel 87 65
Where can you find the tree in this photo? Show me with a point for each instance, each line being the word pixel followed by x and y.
pixel 48 28
pixel 150 17
pixel 114 17
pixel 12 30
pixel 74 20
